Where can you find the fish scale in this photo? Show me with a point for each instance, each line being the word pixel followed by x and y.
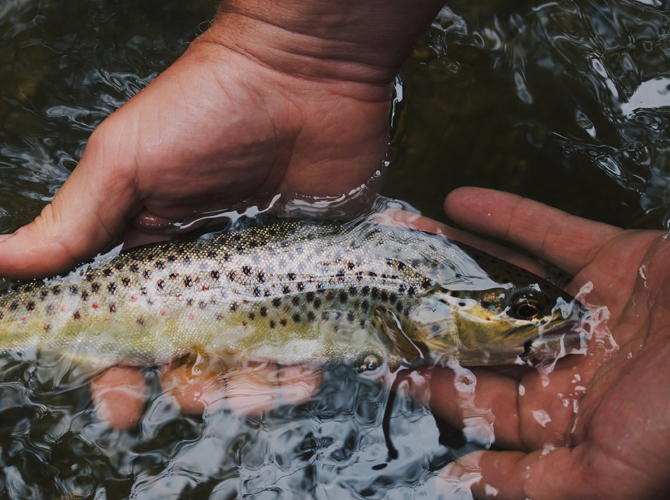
pixel 288 292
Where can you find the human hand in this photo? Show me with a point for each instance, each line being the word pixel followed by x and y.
pixel 275 98
pixel 597 426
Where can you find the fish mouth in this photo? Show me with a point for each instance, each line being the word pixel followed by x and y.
pixel 555 343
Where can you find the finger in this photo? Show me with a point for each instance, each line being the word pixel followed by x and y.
pixel 118 396
pixel 87 213
pixel 567 241
pixel 483 404
pixel 195 384
pixel 298 383
pixel 578 473
pixel 401 218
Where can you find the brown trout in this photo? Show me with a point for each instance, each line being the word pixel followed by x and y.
pixel 295 292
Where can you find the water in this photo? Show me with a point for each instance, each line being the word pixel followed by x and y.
pixel 562 101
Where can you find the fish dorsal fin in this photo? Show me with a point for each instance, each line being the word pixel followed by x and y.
pixel 411 351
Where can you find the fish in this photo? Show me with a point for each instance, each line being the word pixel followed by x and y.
pixel 295 292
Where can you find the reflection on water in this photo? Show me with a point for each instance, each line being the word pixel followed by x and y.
pixel 564 102
pixel 561 101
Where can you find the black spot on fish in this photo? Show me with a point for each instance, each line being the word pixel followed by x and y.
pixel 13 306
pixel 300 286
pixel 309 297
pixel 76 315
pixel 338 316
pixel 286 290
pixel 295 301
pixel 353 290
pixel 188 282
pixel 112 308
pixel 84 296
pixel 43 295
pixel 296 318
pixel 140 321
pixel 231 276
pixel 411 291
pixel 351 265
pixel 134 268
pixel 340 275
pixel 95 287
pixel 187 261
pixel 310 316
pixel 398 307
pixel 203 305
pixel 362 323
pixel 372 274
pixel 150 302
pixel 233 306
pixel 406 310
pixel 73 290
pixel 257 292
pixel 47 328
pixel 119 266
pixel 160 265
pixel 49 309
pixel 276 302
pixel 173 276
pixel 147 274
pixel 170 258
pixel 402 289
pixel 426 283
pixel 359 276
pixel 218 317
pixel 252 316
pixel 272 324
pixel 125 281
pixel 215 275
pixel 384 296
pixel 374 293
pixel 90 277
pixel 264 311
pixel 111 288
pixel 266 293
pixel 246 270
pixel 283 321
pixel 107 272
pixel 455 294
pixel 143 290
pixel 189 302
pixel 261 277
pixel 343 297
pixel 365 290
pixel 211 254
pixel 160 284
pixel 317 303
pixel 30 306
pixel 350 317
pixel 393 298
pixel 291 276
pixel 365 306
pixel 325 315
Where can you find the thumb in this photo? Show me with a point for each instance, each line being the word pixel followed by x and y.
pixel 87 213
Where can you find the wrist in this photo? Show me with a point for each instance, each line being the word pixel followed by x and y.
pixel 358 41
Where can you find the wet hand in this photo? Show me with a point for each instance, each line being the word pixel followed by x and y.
pixel 597 425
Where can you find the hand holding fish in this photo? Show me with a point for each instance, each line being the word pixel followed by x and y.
pixel 597 425
pixel 275 98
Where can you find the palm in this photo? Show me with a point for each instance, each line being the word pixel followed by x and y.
pixel 606 413
pixel 216 128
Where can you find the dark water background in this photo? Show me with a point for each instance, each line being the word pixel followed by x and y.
pixel 567 102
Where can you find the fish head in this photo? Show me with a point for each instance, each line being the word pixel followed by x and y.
pixel 510 324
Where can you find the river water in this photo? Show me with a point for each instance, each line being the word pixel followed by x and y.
pixel 566 102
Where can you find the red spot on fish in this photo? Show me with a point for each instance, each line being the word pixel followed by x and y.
pixel 133 298
pixel 95 305
pixel 24 320
pixel 205 288
pixel 163 313
pixel 63 308
pixel 190 316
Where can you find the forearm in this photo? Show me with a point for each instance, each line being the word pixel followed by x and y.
pixel 362 41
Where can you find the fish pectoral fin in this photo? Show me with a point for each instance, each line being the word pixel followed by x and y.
pixel 410 350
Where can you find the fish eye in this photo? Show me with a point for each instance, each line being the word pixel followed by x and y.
pixel 527 304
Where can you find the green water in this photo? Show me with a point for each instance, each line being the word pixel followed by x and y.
pixel 566 102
